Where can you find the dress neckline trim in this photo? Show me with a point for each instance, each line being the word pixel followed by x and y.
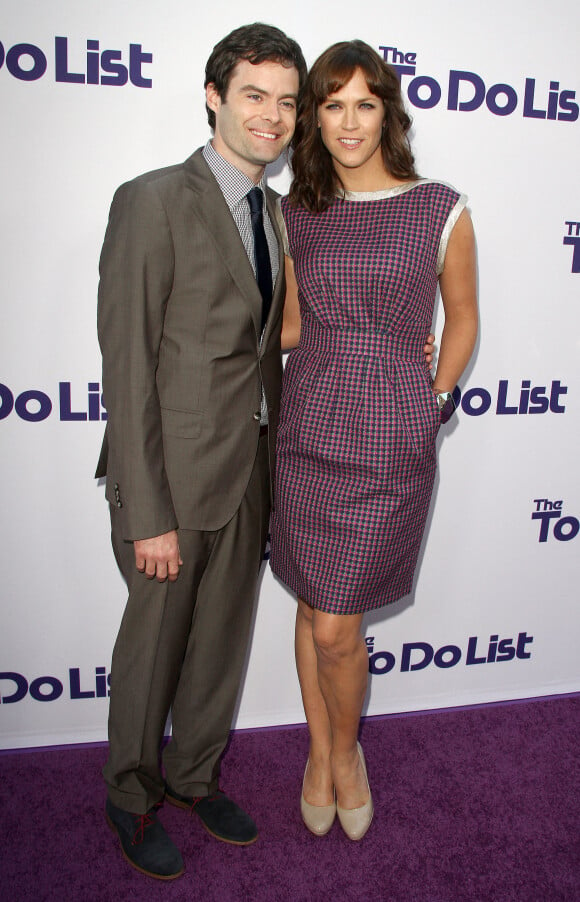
pixel 384 192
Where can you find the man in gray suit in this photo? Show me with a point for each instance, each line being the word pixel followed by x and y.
pixel 190 310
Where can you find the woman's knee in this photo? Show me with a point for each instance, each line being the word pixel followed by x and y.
pixel 335 637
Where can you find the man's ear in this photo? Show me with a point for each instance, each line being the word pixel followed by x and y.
pixel 212 97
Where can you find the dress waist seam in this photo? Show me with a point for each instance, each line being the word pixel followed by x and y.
pixel 361 342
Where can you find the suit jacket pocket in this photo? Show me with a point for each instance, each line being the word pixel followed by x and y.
pixel 181 423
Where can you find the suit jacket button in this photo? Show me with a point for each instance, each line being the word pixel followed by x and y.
pixel 257 415
pixel 119 504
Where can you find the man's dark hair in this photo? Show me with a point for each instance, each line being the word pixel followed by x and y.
pixel 257 43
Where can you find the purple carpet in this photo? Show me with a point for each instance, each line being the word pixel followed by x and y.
pixel 480 804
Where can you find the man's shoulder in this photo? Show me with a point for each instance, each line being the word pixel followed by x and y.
pixel 164 188
pixel 163 174
pixel 166 177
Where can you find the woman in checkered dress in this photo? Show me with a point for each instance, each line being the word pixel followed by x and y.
pixel 367 244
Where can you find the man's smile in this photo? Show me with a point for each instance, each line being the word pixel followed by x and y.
pixel 270 136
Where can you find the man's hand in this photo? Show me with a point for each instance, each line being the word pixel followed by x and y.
pixel 159 556
pixel 429 349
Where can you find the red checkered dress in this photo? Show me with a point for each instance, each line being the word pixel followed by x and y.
pixel 356 443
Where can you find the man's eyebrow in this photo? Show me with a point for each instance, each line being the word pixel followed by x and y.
pixel 263 91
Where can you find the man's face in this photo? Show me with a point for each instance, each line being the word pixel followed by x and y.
pixel 256 120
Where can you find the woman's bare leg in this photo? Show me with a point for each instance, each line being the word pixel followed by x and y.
pixel 332 663
pixel 318 785
pixel 342 677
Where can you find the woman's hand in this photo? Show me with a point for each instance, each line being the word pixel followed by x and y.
pixel 429 349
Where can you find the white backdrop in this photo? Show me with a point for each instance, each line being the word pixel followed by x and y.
pixel 494 94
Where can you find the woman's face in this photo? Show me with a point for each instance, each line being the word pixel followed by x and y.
pixel 351 123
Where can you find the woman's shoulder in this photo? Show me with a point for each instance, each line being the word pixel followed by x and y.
pixel 437 187
pixel 443 199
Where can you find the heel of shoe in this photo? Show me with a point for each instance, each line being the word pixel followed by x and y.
pixel 356 821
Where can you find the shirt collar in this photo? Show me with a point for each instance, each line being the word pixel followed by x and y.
pixel 233 183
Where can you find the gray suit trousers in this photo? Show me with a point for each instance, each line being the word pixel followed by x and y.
pixel 181 647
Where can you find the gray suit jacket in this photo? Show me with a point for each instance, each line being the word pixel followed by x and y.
pixel 178 322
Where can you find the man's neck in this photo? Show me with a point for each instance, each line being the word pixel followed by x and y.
pixel 252 171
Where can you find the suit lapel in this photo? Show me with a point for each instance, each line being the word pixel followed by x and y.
pixel 277 294
pixel 212 209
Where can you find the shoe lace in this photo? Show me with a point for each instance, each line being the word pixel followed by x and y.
pixel 196 799
pixel 142 821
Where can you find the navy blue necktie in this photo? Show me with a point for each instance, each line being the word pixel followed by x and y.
pixel 261 251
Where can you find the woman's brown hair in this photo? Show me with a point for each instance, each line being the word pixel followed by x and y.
pixel 316 183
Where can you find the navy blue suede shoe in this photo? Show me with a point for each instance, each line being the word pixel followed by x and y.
pixel 220 816
pixel 144 842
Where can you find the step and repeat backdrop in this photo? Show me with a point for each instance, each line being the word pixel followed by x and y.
pixel 93 94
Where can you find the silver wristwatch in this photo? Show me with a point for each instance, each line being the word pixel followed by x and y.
pixel 445 403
